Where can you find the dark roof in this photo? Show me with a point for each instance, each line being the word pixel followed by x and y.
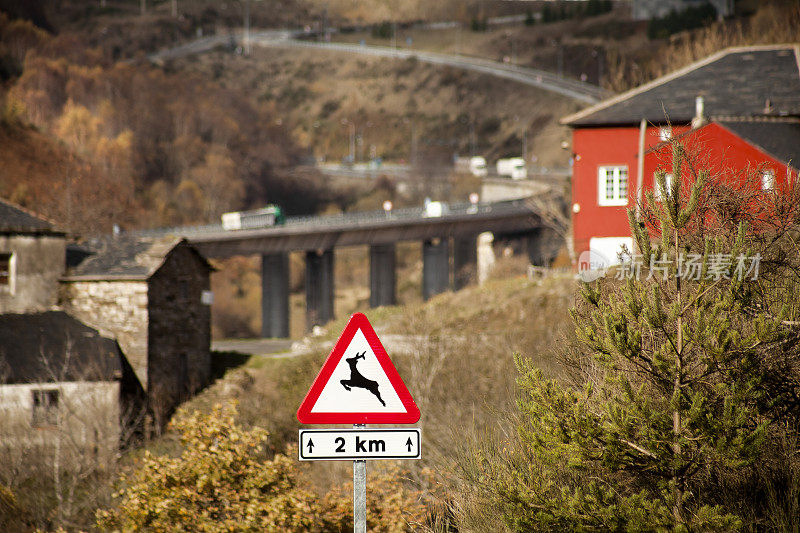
pixel 734 82
pixel 53 346
pixel 780 139
pixel 16 219
pixel 116 256
pixel 123 257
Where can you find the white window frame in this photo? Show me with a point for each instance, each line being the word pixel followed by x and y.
pixel 657 191
pixel 767 180
pixel 616 199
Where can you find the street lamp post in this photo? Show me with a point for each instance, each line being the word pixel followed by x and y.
pixel 524 138
pixel 472 137
pixel 360 139
pixel 350 123
pixel 413 153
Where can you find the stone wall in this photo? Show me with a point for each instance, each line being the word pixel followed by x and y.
pixel 86 425
pixel 179 330
pixel 37 265
pixel 117 309
pixel 501 189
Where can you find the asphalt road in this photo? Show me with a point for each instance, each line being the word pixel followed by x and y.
pixel 584 92
pixel 260 347
pixel 581 91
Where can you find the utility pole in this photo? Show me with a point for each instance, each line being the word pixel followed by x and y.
pixel 413 143
pixel 351 124
pixel 600 69
pixel 513 51
pixel 324 30
pixel 472 137
pixel 352 142
pixel 525 146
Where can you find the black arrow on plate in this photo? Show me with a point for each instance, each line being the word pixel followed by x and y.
pixel 409 444
pixel 310 445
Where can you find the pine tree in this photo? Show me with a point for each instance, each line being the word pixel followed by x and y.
pixel 684 363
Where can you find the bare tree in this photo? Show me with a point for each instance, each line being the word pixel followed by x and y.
pixel 552 207
pixel 64 450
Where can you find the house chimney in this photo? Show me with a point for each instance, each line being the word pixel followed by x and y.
pixel 699 113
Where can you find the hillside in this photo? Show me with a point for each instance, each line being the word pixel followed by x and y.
pixel 41 174
pixel 454 352
pixel 152 148
pixel 401 109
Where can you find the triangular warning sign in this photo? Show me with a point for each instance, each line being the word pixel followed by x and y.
pixel 358 384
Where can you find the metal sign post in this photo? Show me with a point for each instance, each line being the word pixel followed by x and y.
pixel 359 492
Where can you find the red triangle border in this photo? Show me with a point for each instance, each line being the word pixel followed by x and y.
pixel 358 321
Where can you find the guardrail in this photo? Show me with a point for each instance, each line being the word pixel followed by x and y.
pixel 354 220
pixel 579 90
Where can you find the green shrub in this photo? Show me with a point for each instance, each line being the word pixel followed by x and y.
pixel 384 30
pixel 681 412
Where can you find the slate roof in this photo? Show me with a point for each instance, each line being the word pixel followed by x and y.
pixel 780 139
pixel 15 219
pixel 734 82
pixel 123 257
pixel 53 346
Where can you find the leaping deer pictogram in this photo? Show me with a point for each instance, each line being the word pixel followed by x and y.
pixel 358 381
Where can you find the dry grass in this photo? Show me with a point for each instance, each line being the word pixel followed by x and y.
pixel 457 363
pixel 390 101
pixel 774 23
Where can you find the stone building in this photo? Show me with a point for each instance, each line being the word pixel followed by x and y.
pixel 60 381
pixel 146 346
pixel 63 387
pixel 31 261
pixel 154 297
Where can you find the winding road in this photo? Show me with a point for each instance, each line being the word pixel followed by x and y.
pixel 578 90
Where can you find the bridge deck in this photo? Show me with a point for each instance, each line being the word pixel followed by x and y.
pixel 350 229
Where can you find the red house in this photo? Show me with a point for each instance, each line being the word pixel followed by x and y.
pixel 740 108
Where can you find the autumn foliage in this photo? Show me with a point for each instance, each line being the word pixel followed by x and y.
pixel 139 139
pixel 226 480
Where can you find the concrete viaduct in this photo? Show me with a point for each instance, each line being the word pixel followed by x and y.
pixel 451 235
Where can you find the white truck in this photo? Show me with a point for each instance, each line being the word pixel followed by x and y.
pixel 434 209
pixel 270 215
pixel 475 165
pixel 513 167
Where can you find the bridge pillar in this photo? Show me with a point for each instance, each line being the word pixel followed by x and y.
pixel 275 295
pixel 319 288
pixel 382 275
pixel 435 267
pixel 465 261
